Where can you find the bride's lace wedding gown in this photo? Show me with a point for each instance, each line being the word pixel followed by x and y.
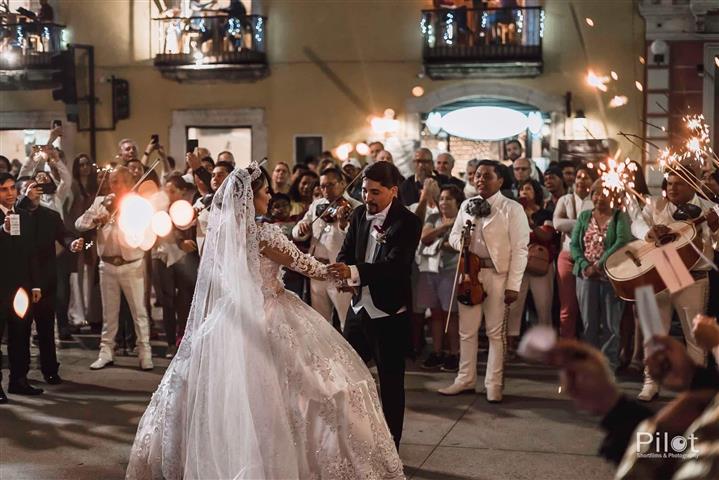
pixel 330 402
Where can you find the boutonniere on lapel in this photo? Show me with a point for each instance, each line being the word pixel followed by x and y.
pixel 379 234
pixel 478 207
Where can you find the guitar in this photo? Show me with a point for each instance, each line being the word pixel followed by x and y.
pixel 632 265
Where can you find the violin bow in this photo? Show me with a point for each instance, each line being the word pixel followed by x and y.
pixel 454 286
pixel 344 190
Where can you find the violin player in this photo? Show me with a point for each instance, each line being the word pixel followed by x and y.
pixel 682 203
pixel 325 225
pixel 499 238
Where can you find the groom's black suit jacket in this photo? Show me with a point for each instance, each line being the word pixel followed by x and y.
pixel 17 258
pixel 388 276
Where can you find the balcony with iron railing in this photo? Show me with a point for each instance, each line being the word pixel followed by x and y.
pixel 482 43
pixel 211 47
pixel 29 44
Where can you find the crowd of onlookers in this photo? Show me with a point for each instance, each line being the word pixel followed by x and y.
pixel 574 227
pixel 79 273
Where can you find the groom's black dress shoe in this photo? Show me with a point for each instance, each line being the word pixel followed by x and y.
pixel 3 397
pixel 53 379
pixel 24 388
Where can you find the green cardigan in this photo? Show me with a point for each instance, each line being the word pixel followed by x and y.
pixel 618 235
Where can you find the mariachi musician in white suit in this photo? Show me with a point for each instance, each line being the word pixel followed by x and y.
pixel 681 203
pixel 500 240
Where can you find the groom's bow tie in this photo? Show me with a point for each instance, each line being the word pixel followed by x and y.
pixel 377 216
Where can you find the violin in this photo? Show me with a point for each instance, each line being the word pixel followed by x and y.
pixel 330 212
pixel 469 289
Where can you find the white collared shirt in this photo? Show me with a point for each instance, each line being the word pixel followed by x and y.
pixel 365 300
pixel 479 246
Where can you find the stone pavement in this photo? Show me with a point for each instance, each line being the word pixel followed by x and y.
pixel 84 428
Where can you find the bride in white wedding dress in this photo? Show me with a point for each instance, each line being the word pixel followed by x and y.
pixel 262 386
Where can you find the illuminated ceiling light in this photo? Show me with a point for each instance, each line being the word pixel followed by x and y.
pixel 484 123
pixel 535 122
pixel 618 101
pixel 641 60
pixel 434 122
pixel 389 113
pixel 417 91
pixel 614 75
pixel 639 85
pixel 589 21
pixel 716 61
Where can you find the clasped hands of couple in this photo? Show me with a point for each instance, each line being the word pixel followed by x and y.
pixel 341 272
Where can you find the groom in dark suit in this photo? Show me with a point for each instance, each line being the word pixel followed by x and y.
pixel 375 261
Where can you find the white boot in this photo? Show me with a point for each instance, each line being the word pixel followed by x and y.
pixel 494 394
pixel 650 390
pixel 103 359
pixel 456 389
pixel 145 357
pixel 100 363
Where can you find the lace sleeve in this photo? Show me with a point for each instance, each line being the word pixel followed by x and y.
pixel 275 245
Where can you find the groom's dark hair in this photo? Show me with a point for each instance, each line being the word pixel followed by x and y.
pixel 383 172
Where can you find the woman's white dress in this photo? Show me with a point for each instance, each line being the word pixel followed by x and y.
pixel 328 406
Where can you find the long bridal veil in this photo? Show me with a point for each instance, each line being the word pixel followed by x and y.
pixel 218 411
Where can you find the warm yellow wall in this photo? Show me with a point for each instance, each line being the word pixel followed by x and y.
pixel 374 46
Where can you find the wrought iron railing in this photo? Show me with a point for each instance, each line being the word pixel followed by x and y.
pixel 29 44
pixel 483 35
pixel 206 41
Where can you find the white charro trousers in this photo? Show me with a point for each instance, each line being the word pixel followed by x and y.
pixel 492 310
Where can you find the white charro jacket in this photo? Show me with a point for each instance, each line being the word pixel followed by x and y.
pixel 504 233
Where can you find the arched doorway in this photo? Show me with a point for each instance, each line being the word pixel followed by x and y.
pixel 487 93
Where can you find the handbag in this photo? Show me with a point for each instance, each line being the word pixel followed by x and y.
pixel 538 260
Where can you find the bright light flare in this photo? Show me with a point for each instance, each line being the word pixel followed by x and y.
pixel 417 91
pixel 614 75
pixel 362 148
pixel 21 302
pixel 618 101
pixel 161 224
pixel 639 85
pixel 594 80
pixel 182 213
pixel 135 217
pixel 589 21
pixel 343 151
pixel 148 240
pixel 384 125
